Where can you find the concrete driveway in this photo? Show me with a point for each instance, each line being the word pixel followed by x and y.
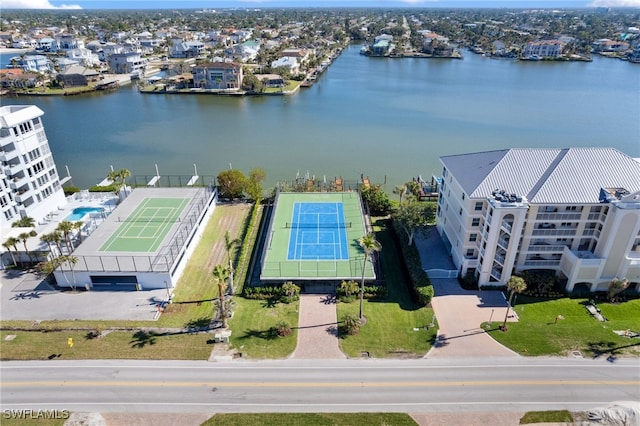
pixel 24 296
pixel 460 312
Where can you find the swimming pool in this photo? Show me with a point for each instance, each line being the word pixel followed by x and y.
pixel 79 212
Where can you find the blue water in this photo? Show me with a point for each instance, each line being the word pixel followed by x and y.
pixel 79 212
pixel 389 119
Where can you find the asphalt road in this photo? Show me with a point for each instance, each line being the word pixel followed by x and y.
pixel 319 385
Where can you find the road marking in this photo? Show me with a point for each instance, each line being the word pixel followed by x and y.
pixel 91 384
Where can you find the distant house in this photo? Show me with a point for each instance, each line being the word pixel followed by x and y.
pixel 291 64
pixel 47 44
pixel 218 76
pixel 126 63
pixel 17 79
pixel 244 52
pixel 186 49
pixel 68 42
pixel 271 80
pixel 32 63
pixel 606 45
pixel 302 55
pixel 83 56
pixel 382 45
pixel 77 76
pixel 543 49
pixel 635 55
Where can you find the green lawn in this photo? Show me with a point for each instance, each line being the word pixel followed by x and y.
pixel 537 332
pixel 32 345
pixel 251 324
pixel 319 419
pixel 560 416
pixel 389 331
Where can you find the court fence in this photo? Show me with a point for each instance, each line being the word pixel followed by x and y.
pixel 337 269
pixel 166 258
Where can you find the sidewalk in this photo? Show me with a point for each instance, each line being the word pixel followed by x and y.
pixel 317 328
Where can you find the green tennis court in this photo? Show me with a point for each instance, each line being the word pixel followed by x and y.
pixel 314 236
pixel 147 226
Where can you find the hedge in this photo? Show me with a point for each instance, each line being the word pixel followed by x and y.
pixel 419 279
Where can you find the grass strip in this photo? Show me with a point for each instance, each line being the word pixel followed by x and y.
pixel 560 416
pixel 311 419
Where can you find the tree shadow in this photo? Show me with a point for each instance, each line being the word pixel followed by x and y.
pixel 271 302
pixel 269 334
pixel 198 302
pixel 607 348
pixel 143 338
pixel 198 323
pixel 26 295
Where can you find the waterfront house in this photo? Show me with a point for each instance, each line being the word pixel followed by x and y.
pixel 47 44
pixel 77 76
pixel 218 76
pixel 575 212
pixel 543 49
pixel 126 63
pixel 15 78
pixel 84 57
pixel 291 64
pixel 186 49
pixel 32 63
pixel 382 45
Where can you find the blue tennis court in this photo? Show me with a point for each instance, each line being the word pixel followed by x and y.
pixel 318 232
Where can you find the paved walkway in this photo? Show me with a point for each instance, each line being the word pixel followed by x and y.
pixel 318 328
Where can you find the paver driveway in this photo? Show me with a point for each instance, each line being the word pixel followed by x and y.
pixel 318 328
pixel 460 312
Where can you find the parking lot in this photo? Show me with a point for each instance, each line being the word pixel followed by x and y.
pixel 24 296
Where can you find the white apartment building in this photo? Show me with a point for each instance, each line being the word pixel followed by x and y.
pixel 572 211
pixel 544 49
pixel 29 183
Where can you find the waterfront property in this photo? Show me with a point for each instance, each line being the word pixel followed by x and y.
pixel 573 211
pixel 313 237
pixel 144 243
pixel 218 76
pixel 29 183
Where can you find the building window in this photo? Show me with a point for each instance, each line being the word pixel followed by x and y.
pixel 463 196
pixel 473 237
pixel 478 206
pixel 475 221
pixel 460 213
pixel 470 252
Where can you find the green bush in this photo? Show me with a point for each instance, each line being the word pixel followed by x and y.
pixel 282 329
pixel 370 292
pixel 425 294
pixel 70 190
pixel 107 188
pixel 285 293
pixel 351 324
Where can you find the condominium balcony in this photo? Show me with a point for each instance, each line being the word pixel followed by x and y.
pixel 504 242
pixel 558 216
pixel 541 263
pixel 544 248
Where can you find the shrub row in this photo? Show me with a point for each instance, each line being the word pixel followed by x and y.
pixel 370 292
pixel 285 293
pixel 241 268
pixel 107 188
pixel 419 279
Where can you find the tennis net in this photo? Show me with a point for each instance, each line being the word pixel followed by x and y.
pixel 317 225
pixel 148 219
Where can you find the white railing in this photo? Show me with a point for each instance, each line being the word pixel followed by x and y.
pixel 441 273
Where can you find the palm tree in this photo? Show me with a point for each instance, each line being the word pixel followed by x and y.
pixel 71 261
pixel 514 285
pixel 66 227
pixel 11 242
pixel 220 276
pixel 24 222
pixel 370 245
pixel 50 239
pixel 24 237
pixel 78 225
pixel 229 245
pixel 400 190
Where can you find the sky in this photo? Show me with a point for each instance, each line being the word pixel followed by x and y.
pixel 212 4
